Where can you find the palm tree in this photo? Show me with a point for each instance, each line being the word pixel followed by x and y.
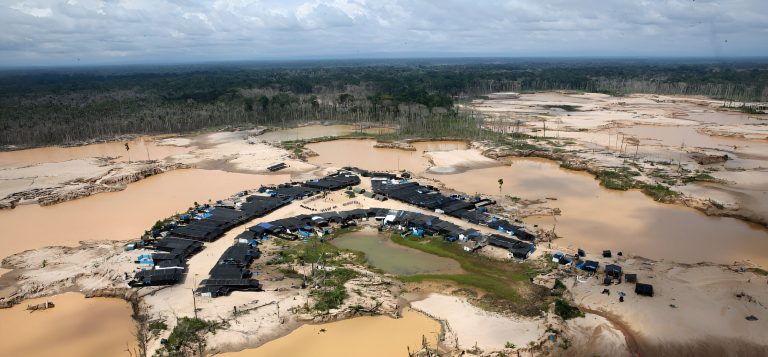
pixel 501 183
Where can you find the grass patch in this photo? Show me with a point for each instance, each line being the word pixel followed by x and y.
pixel 506 283
pixel 700 177
pixel 188 336
pixel 332 291
pixel 759 271
pixel 157 325
pixel 567 311
pixel 617 179
pixel 750 110
pixel 660 192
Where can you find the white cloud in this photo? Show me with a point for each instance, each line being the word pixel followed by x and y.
pixel 98 31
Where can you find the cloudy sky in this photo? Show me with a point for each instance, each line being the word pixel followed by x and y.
pixel 51 32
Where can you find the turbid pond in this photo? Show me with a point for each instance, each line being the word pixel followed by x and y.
pixel 386 255
pixel 120 215
pixel 76 326
pixel 370 336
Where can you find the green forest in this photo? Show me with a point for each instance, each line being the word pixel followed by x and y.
pixel 69 105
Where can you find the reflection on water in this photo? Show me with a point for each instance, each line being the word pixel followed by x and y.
pixel 76 326
pixel 140 149
pixel 119 215
pixel 595 218
pixel 382 253
pixel 370 336
pixel 363 154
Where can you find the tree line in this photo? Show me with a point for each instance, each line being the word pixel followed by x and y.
pixel 41 107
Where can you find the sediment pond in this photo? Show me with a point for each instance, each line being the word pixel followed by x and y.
pixel 392 258
pixel 76 326
pixel 596 218
pixel 370 336
pixel 119 215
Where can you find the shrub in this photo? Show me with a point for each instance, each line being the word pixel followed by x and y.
pixel 567 311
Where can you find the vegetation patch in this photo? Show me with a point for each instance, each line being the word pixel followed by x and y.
pixel 188 336
pixel 332 292
pixel 567 311
pixel 660 192
pixel 617 179
pixel 700 177
pixel 507 284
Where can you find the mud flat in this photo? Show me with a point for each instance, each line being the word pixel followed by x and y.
pixel 143 148
pixel 121 215
pixel 665 134
pixel 362 336
pixel 362 153
pixel 76 326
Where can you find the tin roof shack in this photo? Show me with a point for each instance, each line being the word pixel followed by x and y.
pixel 337 181
pixel 644 289
pixel 589 266
pixel 156 277
pixel 259 206
pixel 175 248
pixel 630 278
pixel 223 287
pixel 277 167
pixel 516 248
pixel 231 273
pixel 613 271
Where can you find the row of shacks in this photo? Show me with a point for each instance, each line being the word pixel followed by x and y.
pixel 512 237
pixel 176 241
pixel 403 222
pixel 613 272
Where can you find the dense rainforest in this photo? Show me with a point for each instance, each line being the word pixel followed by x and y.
pixel 69 105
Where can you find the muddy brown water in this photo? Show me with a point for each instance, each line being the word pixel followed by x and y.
pixel 392 258
pixel 120 215
pixel 370 336
pixel 140 149
pixel 595 218
pixel 76 326
pixel 363 154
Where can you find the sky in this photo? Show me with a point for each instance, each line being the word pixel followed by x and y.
pixel 88 32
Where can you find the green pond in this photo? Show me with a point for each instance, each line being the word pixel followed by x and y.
pixel 386 255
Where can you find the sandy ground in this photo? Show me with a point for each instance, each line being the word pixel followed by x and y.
pixel 591 335
pixel 694 306
pixel 472 326
pixel 454 161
